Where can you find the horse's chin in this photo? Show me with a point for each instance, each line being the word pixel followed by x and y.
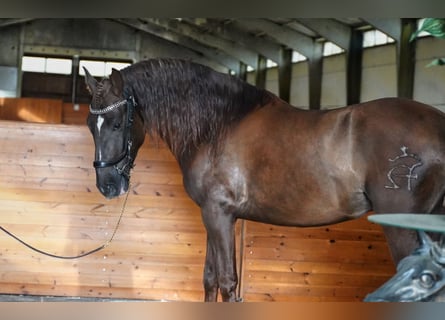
pixel 114 190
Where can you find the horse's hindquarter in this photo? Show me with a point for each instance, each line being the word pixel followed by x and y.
pixel 403 145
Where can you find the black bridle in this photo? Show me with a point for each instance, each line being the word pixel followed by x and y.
pixel 126 154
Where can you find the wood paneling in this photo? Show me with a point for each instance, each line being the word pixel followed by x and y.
pixel 75 115
pixel 341 262
pixel 48 197
pixel 31 110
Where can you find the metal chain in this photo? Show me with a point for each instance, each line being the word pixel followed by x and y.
pixel 80 255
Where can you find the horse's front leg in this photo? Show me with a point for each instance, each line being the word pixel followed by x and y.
pixel 221 246
pixel 210 278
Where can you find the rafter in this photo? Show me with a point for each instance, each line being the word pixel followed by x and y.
pixel 9 21
pixel 198 48
pixel 329 29
pixel 236 33
pixel 281 34
pixel 239 52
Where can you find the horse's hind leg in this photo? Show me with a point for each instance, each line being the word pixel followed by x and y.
pixel 221 246
pixel 210 277
pixel 401 242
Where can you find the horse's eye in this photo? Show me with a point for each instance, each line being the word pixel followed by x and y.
pixel 427 280
pixel 117 126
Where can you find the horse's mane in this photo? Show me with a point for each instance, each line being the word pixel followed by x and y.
pixel 188 104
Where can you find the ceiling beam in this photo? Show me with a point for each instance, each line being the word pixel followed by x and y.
pixel 329 29
pixel 282 34
pixel 208 52
pixel 233 49
pixel 233 31
pixel 11 22
pixel 392 27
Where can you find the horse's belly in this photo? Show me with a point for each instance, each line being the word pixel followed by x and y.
pixel 308 211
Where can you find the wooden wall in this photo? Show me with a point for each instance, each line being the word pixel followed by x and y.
pixel 48 197
pixel 42 111
pixel 31 110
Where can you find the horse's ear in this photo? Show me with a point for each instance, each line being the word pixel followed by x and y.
pixel 425 240
pixel 90 81
pixel 117 82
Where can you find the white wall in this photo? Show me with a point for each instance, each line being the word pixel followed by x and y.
pixel 379 76
pixel 379 73
pixel 333 84
pixel 272 80
pixel 299 95
pixel 429 85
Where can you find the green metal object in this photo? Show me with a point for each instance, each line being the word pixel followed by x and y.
pixel 416 221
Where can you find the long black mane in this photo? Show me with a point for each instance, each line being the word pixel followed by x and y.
pixel 188 104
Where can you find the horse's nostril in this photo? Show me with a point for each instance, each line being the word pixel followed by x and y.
pixel 111 189
pixel 108 190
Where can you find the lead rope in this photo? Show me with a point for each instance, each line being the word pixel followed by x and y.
pixel 80 255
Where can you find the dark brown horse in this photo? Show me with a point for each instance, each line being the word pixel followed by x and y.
pixel 246 154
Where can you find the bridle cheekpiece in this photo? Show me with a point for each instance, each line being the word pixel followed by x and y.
pixel 126 154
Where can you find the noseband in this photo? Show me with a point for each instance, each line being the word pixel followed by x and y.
pixel 126 154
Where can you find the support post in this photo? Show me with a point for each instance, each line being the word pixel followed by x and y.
pixel 354 67
pixel 285 74
pixel 242 71
pixel 315 76
pixel 261 70
pixel 406 58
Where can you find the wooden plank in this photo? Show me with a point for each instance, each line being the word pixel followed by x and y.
pixel 74 115
pixel 31 110
pixel 341 262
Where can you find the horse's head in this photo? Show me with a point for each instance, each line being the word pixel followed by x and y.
pixel 118 131
pixel 419 277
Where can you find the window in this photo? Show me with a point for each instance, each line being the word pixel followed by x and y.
pixel 374 38
pixel 100 68
pixel 33 64
pixel 330 48
pixel 96 68
pixel 423 33
pixel 60 66
pixel 270 63
pixel 47 65
pixel 297 57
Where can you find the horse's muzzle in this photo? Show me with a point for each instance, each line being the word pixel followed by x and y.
pixel 112 190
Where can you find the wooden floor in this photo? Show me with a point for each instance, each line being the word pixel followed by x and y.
pixel 48 198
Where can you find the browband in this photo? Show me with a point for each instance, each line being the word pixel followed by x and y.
pixel 107 109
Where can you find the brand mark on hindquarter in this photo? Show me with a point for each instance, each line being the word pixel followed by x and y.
pixel 401 172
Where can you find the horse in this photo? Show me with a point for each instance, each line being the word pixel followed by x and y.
pixel 244 153
pixel 420 276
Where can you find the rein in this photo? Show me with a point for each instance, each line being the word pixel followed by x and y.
pixel 124 170
pixel 82 254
